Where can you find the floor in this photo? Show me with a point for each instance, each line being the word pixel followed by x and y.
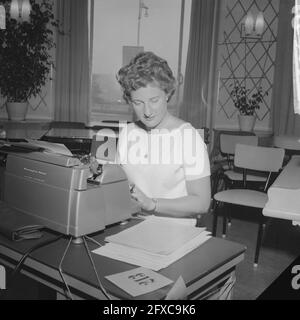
pixel 281 246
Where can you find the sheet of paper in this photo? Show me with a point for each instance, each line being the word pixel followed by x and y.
pixel 139 281
pixel 183 221
pixel 156 236
pixel 51 147
pixel 178 291
pixel 146 259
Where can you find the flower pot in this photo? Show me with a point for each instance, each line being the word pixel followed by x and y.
pixel 246 123
pixel 17 110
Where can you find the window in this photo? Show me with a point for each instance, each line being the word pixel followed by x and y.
pixel 120 28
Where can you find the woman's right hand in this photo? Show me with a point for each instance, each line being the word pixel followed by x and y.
pixel 145 202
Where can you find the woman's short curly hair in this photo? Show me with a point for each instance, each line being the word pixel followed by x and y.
pixel 145 68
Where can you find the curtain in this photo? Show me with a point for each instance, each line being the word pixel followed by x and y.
pixel 200 86
pixel 296 58
pixel 72 77
pixel 285 121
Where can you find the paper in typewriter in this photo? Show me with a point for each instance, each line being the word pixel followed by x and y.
pixel 50 147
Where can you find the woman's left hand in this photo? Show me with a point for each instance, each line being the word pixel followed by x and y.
pixel 145 202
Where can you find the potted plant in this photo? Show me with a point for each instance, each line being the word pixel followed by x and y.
pixel 246 103
pixel 25 60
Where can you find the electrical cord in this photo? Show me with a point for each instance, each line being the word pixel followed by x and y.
pixel 102 289
pixel 61 271
pixel 84 238
pixel 94 241
pixel 25 256
pixel 38 246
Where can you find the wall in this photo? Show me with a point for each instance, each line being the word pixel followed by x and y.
pixel 116 31
pixel 260 58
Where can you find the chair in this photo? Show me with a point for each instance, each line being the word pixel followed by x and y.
pixel 250 158
pixel 216 152
pixel 233 177
pixel 227 148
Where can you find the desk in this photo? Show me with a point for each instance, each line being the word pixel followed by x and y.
pixel 204 268
pixel 291 144
pixel 264 138
pixel 284 194
pixel 19 130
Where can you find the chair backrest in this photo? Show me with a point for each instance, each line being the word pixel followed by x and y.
pixel 258 158
pixel 228 142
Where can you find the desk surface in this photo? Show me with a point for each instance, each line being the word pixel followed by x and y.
pixel 24 129
pixel 38 129
pixel 196 268
pixel 287 142
pixel 259 133
pixel 70 133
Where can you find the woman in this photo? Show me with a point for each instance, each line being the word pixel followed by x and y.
pixel 165 158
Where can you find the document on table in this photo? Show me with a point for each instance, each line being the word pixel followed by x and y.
pixel 156 236
pixel 139 281
pixel 154 243
pixel 182 221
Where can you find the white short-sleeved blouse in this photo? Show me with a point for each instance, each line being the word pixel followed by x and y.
pixel 159 162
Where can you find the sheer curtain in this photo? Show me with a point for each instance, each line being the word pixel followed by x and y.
pixel 72 77
pixel 200 88
pixel 296 58
pixel 285 121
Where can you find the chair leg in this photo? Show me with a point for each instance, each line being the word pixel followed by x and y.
pixel 218 179
pixel 260 234
pixel 228 212
pixel 225 219
pixel 215 217
pixel 228 216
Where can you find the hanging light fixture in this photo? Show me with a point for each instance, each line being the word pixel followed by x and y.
pixel 142 7
pixel 26 8
pixel 20 10
pixel 14 10
pixel 253 27
pixel 2 17
pixel 259 24
pixel 249 23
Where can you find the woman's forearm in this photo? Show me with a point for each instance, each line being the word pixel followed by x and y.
pixel 187 206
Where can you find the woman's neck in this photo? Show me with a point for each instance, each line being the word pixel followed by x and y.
pixel 164 124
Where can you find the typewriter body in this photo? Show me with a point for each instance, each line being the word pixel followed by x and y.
pixel 56 191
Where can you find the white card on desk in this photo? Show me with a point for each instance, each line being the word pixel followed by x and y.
pixel 139 281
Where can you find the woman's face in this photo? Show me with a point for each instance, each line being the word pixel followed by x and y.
pixel 150 105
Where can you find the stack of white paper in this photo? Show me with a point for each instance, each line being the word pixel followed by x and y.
pixel 154 243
